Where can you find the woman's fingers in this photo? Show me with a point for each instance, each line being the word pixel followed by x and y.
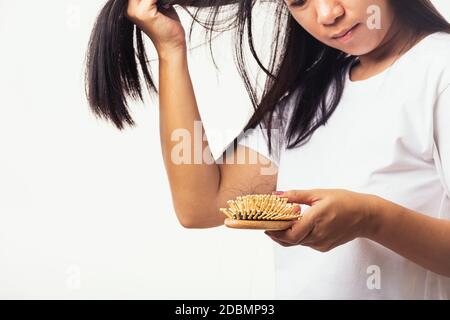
pixel 307 197
pixel 138 7
pixel 171 13
pixel 133 3
pixel 297 232
pixel 148 3
pixel 131 8
pixel 281 243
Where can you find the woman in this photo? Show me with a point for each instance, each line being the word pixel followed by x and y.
pixel 361 92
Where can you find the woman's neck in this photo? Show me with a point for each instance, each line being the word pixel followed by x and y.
pixel 397 41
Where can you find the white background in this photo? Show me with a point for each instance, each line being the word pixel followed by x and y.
pixel 86 210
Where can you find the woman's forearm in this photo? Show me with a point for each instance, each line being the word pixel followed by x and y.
pixel 419 238
pixel 194 186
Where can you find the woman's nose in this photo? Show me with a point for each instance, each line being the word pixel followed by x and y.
pixel 328 11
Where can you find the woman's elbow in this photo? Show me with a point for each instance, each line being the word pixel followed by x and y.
pixel 190 221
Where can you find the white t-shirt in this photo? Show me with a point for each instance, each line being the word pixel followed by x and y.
pixel 389 136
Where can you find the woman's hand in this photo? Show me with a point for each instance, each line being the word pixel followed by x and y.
pixel 163 28
pixel 334 218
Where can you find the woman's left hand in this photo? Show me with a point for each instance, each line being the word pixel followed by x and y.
pixel 335 217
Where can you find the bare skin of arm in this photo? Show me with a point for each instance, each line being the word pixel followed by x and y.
pixel 199 188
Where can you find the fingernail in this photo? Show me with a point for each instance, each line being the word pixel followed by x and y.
pixel 278 193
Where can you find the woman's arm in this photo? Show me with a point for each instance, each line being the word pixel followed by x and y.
pixel 199 185
pixel 200 189
pixel 338 216
pixel 417 237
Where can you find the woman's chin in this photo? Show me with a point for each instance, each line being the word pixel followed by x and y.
pixel 355 49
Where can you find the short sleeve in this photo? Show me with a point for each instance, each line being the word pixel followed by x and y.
pixel 441 135
pixel 257 140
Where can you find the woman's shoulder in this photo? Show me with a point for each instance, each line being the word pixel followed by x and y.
pixel 440 37
pixel 442 46
pixel 434 57
pixel 439 44
pixel 433 47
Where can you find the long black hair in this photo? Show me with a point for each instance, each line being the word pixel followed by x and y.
pixel 116 49
pixel 298 62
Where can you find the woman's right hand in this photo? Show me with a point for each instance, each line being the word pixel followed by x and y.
pixel 163 28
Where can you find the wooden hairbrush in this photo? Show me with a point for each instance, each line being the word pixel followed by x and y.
pixel 261 212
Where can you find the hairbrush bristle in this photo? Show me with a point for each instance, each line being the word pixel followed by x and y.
pixel 260 207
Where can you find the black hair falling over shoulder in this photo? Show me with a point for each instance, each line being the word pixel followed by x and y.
pixel 298 62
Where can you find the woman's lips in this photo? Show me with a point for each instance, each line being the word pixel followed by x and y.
pixel 346 36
